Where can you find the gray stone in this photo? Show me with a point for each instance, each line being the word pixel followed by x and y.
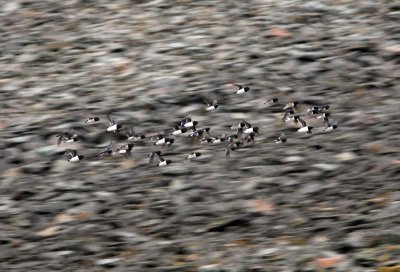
pixel 210 268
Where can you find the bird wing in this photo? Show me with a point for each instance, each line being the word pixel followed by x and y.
pixel 111 121
pixel 205 101
pixel 302 122
pixel 151 157
pixel 247 124
pixel 59 140
pixel 227 152
pixel 238 86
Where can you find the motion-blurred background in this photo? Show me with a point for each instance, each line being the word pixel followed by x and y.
pixel 320 202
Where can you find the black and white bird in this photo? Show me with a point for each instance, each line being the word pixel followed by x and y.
pixel 67 137
pixel 132 136
pixel 190 123
pixel 162 161
pixel 184 121
pixel 292 105
pixel 193 155
pixel 113 125
pixel 318 109
pixel 272 100
pixel 199 132
pixel 109 151
pixel 304 126
pixel 92 119
pixel 125 149
pixel 211 106
pixel 325 117
pixel 152 155
pixel 330 127
pixel 241 125
pixel 218 140
pixel 73 156
pixel 241 89
pixel 161 140
pixel 249 128
pixel 206 140
pixel 179 130
pixel 288 116
pixel 196 133
pixel 281 139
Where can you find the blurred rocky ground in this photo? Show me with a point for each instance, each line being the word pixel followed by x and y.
pixel 321 202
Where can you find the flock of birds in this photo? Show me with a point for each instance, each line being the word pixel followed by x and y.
pixel 243 135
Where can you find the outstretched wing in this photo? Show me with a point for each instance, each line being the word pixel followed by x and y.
pixel 205 101
pixel 238 86
pixel 111 121
pixel 302 122
pixel 151 157
pixel 227 152
pixel 59 140
pixel 158 154
pixel 247 124
pixel 72 152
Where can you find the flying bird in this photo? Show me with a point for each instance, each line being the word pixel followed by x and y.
pixel 73 156
pixel 113 125
pixel 241 89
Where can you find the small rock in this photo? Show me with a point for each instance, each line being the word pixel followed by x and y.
pixel 210 268
pixel 324 263
pixel 310 188
pixel 346 156
pixel 395 268
pixel 293 159
pixel 261 206
pixel 388 237
pixel 64 218
pixel 326 166
pixel 36 168
pixel 50 231
pixel 365 260
pixel 268 251
pixel 11 6
pixel 110 262
pixel 90 207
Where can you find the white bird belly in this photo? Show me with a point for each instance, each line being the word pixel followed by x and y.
pixel 74 159
pixel 160 142
pixel 303 129
pixel 112 128
pixel 188 125
pixel 163 163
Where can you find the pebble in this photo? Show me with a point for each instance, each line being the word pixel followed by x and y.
pixel 10 7
pixel 210 268
pixel 108 262
pixel 293 159
pixel 346 156
pixel 326 166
